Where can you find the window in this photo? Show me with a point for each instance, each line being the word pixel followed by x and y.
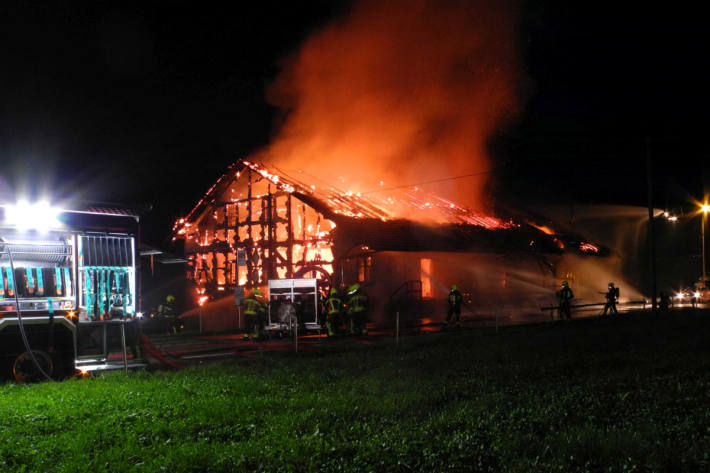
pixel 364 268
pixel 425 270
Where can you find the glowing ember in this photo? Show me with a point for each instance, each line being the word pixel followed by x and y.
pixel 543 228
pixel 588 247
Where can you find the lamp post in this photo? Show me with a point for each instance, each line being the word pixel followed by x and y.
pixel 705 209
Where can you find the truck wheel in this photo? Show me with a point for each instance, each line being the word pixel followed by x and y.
pixel 24 369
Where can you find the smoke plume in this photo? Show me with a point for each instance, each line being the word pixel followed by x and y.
pixel 401 92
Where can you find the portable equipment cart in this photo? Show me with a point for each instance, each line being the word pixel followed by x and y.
pixel 304 294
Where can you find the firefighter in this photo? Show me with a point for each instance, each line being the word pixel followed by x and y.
pixel 167 309
pixel 356 308
pixel 565 296
pixel 612 296
pixel 333 309
pixel 166 314
pixel 454 301
pixel 254 311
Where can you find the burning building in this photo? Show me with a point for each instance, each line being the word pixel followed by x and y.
pixel 394 93
pixel 403 245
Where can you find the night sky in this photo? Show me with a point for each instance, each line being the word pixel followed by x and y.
pixel 149 104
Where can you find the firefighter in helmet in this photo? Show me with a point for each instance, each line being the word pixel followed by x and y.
pixel 167 309
pixel 165 316
pixel 254 312
pixel 356 310
pixel 454 302
pixel 333 309
pixel 565 296
pixel 612 296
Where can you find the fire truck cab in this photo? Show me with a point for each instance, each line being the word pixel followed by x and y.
pixel 68 278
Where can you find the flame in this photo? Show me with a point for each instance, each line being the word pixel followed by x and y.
pixel 543 228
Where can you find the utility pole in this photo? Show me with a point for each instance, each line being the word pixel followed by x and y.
pixel 702 238
pixel 651 239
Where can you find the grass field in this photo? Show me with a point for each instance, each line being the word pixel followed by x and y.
pixel 624 394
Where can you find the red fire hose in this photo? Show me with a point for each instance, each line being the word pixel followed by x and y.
pixel 155 353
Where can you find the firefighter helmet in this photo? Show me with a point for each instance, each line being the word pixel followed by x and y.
pixel 170 298
pixel 353 288
pixel 611 284
pixel 454 287
pixel 565 284
pixel 333 291
pixel 257 292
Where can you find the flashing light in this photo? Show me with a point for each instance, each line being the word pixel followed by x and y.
pixel 705 208
pixel 139 315
pixel 679 295
pixel 696 295
pixel 672 219
pixel 25 216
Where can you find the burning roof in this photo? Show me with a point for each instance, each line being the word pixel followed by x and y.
pixel 384 205
pixel 400 218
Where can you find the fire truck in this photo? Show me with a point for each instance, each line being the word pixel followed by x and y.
pixel 68 288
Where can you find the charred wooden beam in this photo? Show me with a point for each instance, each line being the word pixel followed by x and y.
pixel 289 231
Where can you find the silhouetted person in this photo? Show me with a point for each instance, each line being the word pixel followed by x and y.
pixel 565 296
pixel 454 301
pixel 612 296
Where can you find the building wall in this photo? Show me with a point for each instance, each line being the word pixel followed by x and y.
pixel 253 232
pixel 517 284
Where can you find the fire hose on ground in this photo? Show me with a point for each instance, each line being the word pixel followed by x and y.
pixel 155 353
pixel 596 304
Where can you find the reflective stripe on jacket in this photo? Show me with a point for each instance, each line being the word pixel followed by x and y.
pixel 357 303
pixel 253 306
pixel 333 305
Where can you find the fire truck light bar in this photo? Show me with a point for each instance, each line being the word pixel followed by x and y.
pixel 39 216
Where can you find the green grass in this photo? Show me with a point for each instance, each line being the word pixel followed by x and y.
pixel 628 394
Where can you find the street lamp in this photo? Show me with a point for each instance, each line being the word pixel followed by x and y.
pixel 705 209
